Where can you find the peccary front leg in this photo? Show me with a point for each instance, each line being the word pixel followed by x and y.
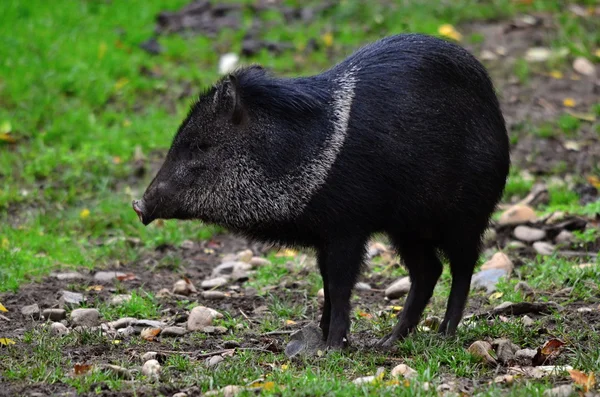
pixel 341 261
pixel 424 269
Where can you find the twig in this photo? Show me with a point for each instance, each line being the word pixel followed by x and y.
pixel 278 333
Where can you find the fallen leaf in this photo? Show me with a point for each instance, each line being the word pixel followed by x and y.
pixel 95 288
pixel 594 181
pixel 448 30
pixel 569 102
pixel 327 39
pixel 290 322
pixel 556 74
pixel 117 160
pixel 6 137
pixel 552 346
pixel 116 341
pixel 583 116
pixel 122 82
pixel 2 308
pixel 84 213
pixel 149 334
pixel 268 386
pixel 126 277
pixel 5 243
pixel 365 315
pixel 496 295
pixel 81 368
pixel 284 367
pixel 587 381
pixel 6 342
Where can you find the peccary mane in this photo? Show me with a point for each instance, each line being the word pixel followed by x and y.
pixel 260 91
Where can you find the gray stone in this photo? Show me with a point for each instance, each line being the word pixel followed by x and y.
pixel 211 329
pixel 54 314
pixel 120 372
pixel 523 287
pixel 214 361
pixel 127 331
pixel 306 341
pixel 360 286
pixel 528 234
pixel 71 298
pixel 525 356
pixel 182 287
pixel 245 255
pixel 122 322
pixel 505 350
pixel 119 299
pixel 560 391
pixel 527 321
pixel 213 295
pixel 148 324
pixel 151 369
pixel 58 329
pixel 105 277
pixel 201 317
pixel 173 331
pixel 85 317
pixel 543 248
pixel 32 311
pixel 564 237
pixel 487 279
pixel 228 268
pixel 214 283
pixel 257 261
pixel 149 356
pixel 69 276
pixel 398 288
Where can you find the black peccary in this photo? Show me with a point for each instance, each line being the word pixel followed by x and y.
pixel 405 137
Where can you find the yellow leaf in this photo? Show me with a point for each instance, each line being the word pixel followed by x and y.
pixel 2 308
pixel 101 50
pixel 327 39
pixel 84 213
pixel 284 367
pixel 7 137
pixel 116 342
pixel 597 53
pixel 268 386
pixel 116 160
pixel 6 341
pixel 95 288
pixel 496 295
pixel 149 334
pixel 594 181
pixel 5 127
pixel 569 102
pixel 587 381
pixel 287 252
pixel 449 31
pixel 5 243
pixel 556 74
pixel 290 322
pixel 122 82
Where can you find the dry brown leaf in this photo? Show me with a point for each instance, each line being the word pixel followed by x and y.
pixel 126 277
pixel 149 334
pixel 552 346
pixel 594 181
pixel 82 368
pixel 587 381
pixel 6 137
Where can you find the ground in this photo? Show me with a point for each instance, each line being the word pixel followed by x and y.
pixel 91 94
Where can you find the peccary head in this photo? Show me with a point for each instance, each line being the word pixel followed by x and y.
pixel 229 164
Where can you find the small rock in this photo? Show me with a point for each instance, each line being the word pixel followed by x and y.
pixel 201 317
pixel 149 356
pixel 404 370
pixel 245 255
pixel 499 261
pixel 117 370
pixel 105 277
pixel 122 322
pixel 163 293
pixel 228 62
pixel 369 379
pixel 54 314
pixel 398 288
pixel 307 340
pixel 69 276
pixel 560 391
pixel 564 237
pixel 213 295
pixel 508 379
pixel 543 248
pixel 71 298
pixel 584 266
pixel 257 261
pixel 151 369
pixel 525 356
pixel 505 350
pixel 516 215
pixel 120 299
pixel 528 234
pixel 32 311
pixel 139 324
pixel 527 321
pixel 227 391
pixel 487 55
pixel 214 361
pixel 187 244
pixel 85 317
pixel 537 54
pixel 214 283
pixel 487 279
pixel 226 269
pixel 127 331
pixel 360 286
pixel 556 217
pixel 182 287
pixel 433 322
pixel 523 287
pixel 210 329
pixel 58 329
pixel 321 293
pixel 173 331
pixel 515 245
pixel 585 310
pixel 481 349
pixel 180 394
pixel 584 66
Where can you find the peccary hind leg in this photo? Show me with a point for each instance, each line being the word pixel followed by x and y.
pixel 424 269
pixel 340 262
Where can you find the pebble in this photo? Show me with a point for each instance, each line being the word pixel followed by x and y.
pixel 151 369
pixel 71 298
pixel 321 293
pixel 398 288
pixel 214 361
pixel 85 317
pixel 523 287
pixel 69 276
pixel 527 321
pixel 227 391
pixel 516 215
pixel 369 379
pixel 180 394
pixel 201 317
pixel 257 261
pixel 585 310
pixel 228 268
pixel 245 255
pixel 32 311
pixel 122 322
pixel 187 244
pixel 499 261
pixel 213 295
pixel 433 322
pixel 584 66
pixel 537 54
pixel 228 63
pixel 525 356
pixel 376 249
pixel 149 356
pixel 404 370
pixel 54 314
pixel 528 234
pixel 360 286
pixel 58 329
pixel 487 279
pixel 149 324
pixel 117 370
pixel 210 329
pixel 104 277
pixel 182 287
pixel 564 237
pixel 481 349
pixel 127 331
pixel 163 293
pixel 214 283
pixel 543 248
pixel 505 350
pixel 120 299
pixel 173 331
pixel 560 391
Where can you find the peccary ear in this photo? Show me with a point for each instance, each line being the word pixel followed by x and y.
pixel 234 95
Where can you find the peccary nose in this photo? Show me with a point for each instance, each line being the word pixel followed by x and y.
pixel 138 207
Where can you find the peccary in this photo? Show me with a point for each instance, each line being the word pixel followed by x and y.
pixel 405 137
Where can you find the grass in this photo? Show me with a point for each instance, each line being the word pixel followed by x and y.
pixel 83 110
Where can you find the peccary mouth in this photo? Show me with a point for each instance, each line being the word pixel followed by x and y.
pixel 138 207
